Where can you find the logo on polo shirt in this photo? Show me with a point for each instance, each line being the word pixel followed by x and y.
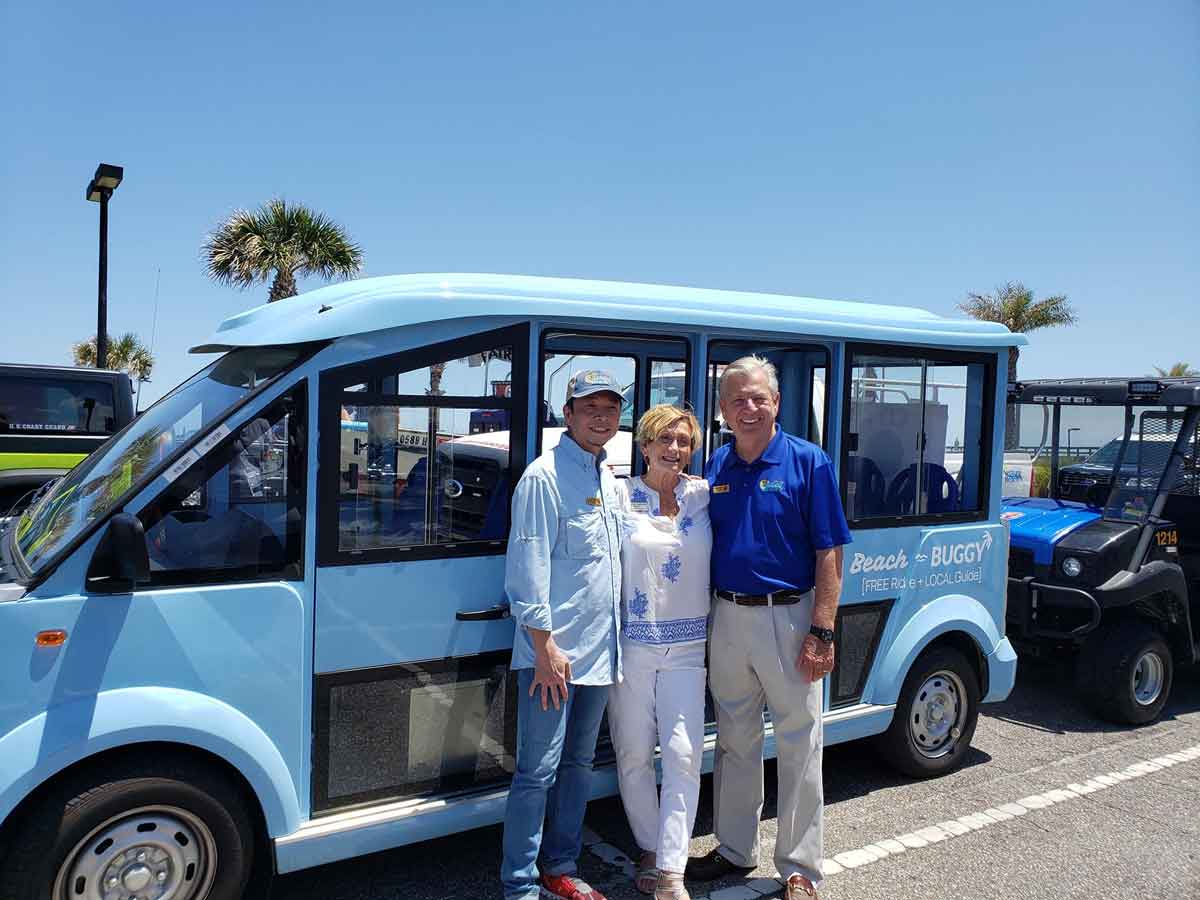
pixel 770 487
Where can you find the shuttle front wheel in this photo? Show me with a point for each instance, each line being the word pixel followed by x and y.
pixel 935 716
pixel 149 831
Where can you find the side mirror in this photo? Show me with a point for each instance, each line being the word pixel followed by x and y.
pixel 121 561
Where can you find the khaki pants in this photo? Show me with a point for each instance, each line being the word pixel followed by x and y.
pixel 751 660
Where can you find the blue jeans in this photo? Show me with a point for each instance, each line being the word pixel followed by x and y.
pixel 552 784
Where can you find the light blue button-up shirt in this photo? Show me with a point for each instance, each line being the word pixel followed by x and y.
pixel 562 572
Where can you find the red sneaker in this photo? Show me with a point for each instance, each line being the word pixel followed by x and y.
pixel 568 887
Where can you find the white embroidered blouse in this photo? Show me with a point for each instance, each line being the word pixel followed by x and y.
pixel 665 564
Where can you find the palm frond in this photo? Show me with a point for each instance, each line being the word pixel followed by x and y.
pixel 140 364
pixel 1013 305
pixel 126 353
pixel 1179 370
pixel 84 353
pixel 234 252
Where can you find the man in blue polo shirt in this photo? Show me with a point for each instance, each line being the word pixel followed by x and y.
pixel 778 529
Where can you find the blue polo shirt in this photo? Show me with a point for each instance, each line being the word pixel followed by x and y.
pixel 769 517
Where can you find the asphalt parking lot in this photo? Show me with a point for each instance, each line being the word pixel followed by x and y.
pixel 1009 824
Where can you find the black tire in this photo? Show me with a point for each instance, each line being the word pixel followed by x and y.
pixel 1106 672
pixel 957 682
pixel 57 836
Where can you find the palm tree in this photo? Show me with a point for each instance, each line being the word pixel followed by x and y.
pixel 1013 306
pixel 276 243
pixel 125 354
pixel 1179 370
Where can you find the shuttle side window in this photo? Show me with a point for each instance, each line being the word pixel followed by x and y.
pixel 236 514
pixel 425 450
pixel 918 436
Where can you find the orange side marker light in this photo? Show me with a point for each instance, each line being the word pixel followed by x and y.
pixel 54 638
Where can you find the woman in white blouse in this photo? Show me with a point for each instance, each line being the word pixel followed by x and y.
pixel 664 619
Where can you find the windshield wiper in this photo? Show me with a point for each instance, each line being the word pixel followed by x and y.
pixel 38 494
pixel 11 563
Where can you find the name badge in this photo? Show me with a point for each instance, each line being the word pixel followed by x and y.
pixel 593 501
pixel 640 506
pixel 770 487
pixel 720 489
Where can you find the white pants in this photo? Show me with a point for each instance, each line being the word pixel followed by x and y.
pixel 660 700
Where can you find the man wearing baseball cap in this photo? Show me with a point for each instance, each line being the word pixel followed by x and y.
pixel 563 581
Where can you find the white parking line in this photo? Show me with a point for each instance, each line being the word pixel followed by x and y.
pixel 930 834
pixel 853 859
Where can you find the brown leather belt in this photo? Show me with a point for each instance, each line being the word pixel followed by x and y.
pixel 775 598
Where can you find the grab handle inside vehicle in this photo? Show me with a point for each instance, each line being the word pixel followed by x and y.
pixel 481 615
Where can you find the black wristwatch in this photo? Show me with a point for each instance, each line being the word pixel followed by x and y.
pixel 825 635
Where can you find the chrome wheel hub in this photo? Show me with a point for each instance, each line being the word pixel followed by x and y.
pixel 153 853
pixel 935 719
pixel 1149 674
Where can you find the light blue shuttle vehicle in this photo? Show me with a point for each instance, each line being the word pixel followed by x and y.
pixel 265 624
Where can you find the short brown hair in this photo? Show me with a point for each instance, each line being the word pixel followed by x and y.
pixel 658 419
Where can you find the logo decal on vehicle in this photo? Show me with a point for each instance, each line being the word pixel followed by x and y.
pixel 880 563
pixel 943 565
pixel 962 554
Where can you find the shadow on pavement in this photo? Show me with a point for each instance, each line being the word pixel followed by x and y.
pixel 1045 699
pixel 467 865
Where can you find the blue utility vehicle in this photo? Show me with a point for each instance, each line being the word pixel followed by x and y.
pixel 1106 566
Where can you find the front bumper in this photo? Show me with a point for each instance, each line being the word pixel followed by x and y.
pixel 1002 671
pixel 1037 609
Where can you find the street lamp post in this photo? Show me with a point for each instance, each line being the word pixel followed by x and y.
pixel 99 189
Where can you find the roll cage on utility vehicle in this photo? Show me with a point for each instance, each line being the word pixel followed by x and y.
pixel 1105 558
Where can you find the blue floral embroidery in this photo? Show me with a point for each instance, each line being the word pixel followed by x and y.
pixel 656 512
pixel 674 631
pixel 686 524
pixel 638 496
pixel 639 604
pixel 670 569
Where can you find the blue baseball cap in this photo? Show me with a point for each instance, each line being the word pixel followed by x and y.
pixel 592 381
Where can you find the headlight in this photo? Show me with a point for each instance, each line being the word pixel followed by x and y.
pixel 1072 567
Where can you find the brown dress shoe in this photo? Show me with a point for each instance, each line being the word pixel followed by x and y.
pixel 799 888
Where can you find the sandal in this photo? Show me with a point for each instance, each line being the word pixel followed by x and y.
pixel 670 887
pixel 645 876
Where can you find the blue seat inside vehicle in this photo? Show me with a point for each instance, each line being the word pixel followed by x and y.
pixel 869 487
pixel 940 488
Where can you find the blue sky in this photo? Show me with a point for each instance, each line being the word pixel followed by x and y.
pixel 901 153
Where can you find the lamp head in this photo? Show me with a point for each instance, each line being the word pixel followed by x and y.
pixel 104 182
